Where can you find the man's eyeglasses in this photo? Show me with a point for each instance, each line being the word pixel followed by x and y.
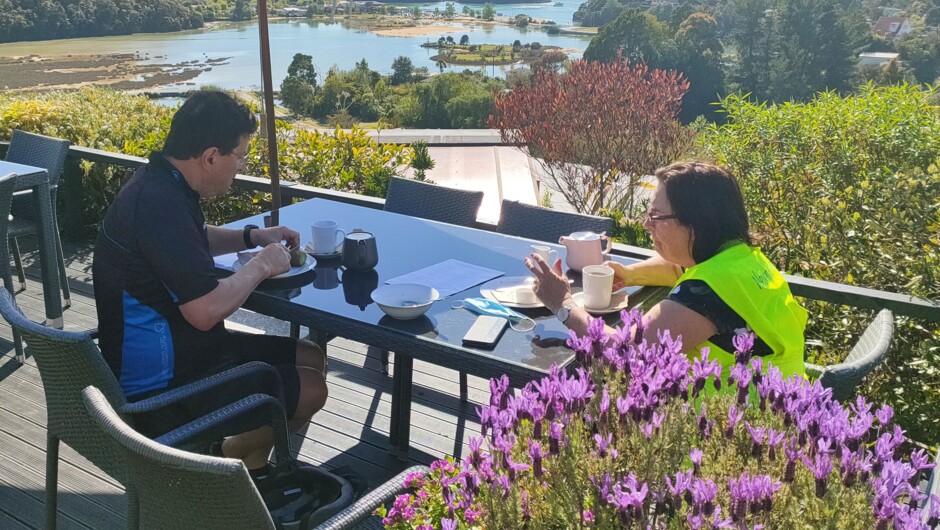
pixel 240 159
pixel 652 218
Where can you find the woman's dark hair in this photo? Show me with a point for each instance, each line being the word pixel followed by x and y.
pixel 708 200
pixel 208 119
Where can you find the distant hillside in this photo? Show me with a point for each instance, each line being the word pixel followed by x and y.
pixel 22 20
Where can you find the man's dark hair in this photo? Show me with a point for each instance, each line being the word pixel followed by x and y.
pixel 708 200
pixel 208 119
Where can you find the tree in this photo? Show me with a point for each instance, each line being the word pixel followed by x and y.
pixel 551 61
pixel 699 59
pixel 750 36
pixel 416 12
pixel 302 67
pixel 242 10
pixel 298 90
pixel 450 40
pixel 464 40
pixel 522 20
pixel 637 35
pixel 597 129
pixel 450 11
pixel 402 70
pixel 921 51
pixel 421 161
pixel 489 13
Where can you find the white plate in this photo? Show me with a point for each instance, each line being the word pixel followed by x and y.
pixel 507 283
pixel 310 263
pixel 617 302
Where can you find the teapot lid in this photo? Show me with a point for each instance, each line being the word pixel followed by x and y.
pixel 584 236
pixel 359 235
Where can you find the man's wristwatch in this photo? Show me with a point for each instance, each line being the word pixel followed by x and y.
pixel 563 312
pixel 246 235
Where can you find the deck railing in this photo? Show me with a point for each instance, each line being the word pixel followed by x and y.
pixel 831 292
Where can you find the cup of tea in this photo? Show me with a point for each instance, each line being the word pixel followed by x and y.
pixel 548 253
pixel 598 282
pixel 327 237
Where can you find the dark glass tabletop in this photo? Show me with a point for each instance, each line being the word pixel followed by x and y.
pixel 338 301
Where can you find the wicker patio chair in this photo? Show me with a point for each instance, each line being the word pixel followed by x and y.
pixel 429 201
pixel 437 203
pixel 49 153
pixel 545 224
pixel 7 182
pixel 70 361
pixel 867 354
pixel 183 489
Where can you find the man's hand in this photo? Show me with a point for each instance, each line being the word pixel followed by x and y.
pixel 263 237
pixel 275 257
pixel 551 286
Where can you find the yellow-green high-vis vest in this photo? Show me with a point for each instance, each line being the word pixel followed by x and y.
pixel 749 283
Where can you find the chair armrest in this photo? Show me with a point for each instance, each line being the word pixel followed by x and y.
pixel 244 415
pixel 814 371
pixel 363 508
pixel 171 409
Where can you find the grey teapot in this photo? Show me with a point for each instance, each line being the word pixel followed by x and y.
pixel 360 252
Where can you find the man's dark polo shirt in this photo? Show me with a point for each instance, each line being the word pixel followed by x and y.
pixel 152 255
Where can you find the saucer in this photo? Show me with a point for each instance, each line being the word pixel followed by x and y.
pixel 618 302
pixel 335 254
pixel 506 284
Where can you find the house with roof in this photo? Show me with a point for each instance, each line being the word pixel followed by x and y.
pixel 892 27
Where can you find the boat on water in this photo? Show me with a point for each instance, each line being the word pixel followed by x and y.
pixel 559 4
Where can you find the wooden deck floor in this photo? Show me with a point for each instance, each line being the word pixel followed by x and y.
pixel 352 430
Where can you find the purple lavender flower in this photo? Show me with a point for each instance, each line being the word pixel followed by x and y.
pixel 884 414
pixel 696 456
pixel 680 487
pixel 448 524
pixel 773 440
pixel 821 466
pixel 757 439
pixel 588 518
pixel 703 495
pixel 734 416
pixel 535 451
pixel 743 344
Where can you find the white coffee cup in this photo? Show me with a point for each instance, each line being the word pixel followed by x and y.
pixel 548 253
pixel 525 295
pixel 598 282
pixel 326 237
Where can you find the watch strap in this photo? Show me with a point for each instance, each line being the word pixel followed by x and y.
pixel 246 235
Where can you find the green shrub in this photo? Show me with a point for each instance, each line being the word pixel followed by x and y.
pixel 122 123
pixel 844 189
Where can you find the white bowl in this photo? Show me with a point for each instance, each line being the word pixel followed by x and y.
pixel 405 301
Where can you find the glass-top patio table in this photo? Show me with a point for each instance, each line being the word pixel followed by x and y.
pixel 37 179
pixel 338 302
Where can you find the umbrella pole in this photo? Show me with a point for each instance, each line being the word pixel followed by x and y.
pixel 268 91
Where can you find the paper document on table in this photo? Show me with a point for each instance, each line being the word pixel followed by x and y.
pixel 226 261
pixel 449 277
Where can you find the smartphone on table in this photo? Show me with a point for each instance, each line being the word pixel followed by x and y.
pixel 485 332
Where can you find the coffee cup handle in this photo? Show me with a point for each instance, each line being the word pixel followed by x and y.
pixel 339 240
pixel 610 245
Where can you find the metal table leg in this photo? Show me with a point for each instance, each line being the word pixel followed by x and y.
pixel 405 365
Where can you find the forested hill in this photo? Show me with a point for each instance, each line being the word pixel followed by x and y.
pixel 58 19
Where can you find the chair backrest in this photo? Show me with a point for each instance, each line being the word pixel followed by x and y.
pixel 7 182
pixel 68 362
pixel 39 151
pixel 545 224
pixel 868 353
pixel 430 201
pixel 178 489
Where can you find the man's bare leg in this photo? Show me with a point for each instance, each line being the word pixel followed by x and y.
pixel 254 447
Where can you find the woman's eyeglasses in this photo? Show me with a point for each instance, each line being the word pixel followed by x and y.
pixel 652 218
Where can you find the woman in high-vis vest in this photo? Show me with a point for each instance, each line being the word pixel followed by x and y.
pixel 723 284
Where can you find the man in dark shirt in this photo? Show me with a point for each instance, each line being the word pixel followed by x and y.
pixel 160 305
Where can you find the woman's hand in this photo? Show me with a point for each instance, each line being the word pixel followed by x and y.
pixel 551 286
pixel 621 274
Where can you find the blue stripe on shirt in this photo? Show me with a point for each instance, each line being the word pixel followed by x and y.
pixel 147 351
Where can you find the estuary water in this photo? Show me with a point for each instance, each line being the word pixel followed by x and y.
pixel 329 44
